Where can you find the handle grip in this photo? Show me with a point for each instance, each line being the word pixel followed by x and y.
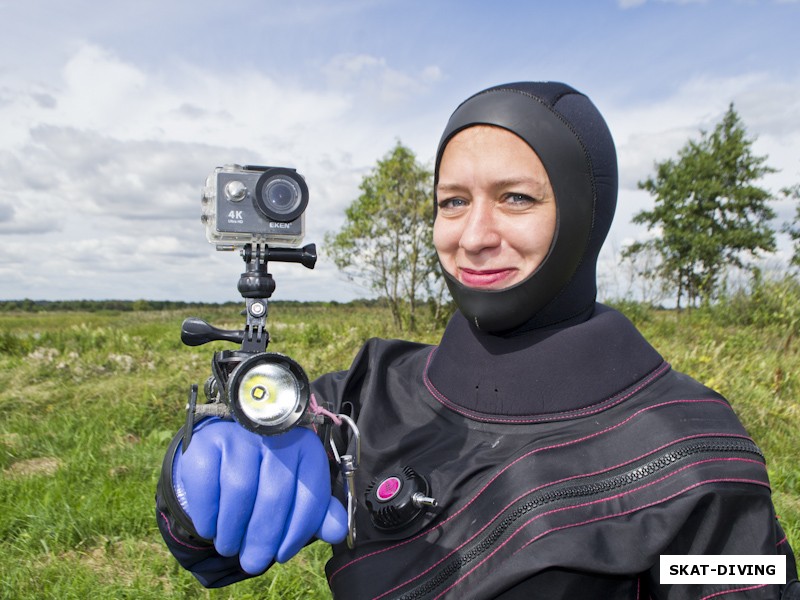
pixel 196 332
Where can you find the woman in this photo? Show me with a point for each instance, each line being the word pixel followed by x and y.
pixel 564 455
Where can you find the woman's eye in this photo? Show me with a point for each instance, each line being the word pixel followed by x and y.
pixel 451 203
pixel 519 200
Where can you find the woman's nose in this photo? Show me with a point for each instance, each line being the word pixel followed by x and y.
pixel 480 228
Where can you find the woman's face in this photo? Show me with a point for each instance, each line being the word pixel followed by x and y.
pixel 496 209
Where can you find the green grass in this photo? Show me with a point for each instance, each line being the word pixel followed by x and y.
pixel 88 402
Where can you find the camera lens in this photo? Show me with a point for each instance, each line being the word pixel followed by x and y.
pixel 281 195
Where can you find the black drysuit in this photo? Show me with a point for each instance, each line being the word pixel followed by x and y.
pixel 578 501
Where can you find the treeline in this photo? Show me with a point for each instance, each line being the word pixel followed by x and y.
pixel 32 306
pixel 29 305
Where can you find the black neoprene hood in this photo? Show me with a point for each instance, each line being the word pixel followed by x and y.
pixel 573 142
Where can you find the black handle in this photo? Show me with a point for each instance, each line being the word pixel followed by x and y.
pixel 196 332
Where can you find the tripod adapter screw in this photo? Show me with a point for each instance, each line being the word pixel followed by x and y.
pixel 258 309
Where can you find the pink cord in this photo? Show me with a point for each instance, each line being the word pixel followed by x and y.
pixel 318 410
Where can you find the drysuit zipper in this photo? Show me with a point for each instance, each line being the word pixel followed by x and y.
pixel 567 492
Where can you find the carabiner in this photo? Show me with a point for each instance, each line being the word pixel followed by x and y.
pixel 348 464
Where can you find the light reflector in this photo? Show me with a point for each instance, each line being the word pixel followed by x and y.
pixel 268 393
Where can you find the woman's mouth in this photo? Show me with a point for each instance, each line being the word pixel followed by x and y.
pixel 485 278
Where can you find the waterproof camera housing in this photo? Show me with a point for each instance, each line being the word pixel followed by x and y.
pixel 254 205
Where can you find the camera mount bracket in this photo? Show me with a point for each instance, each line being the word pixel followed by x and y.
pixel 256 286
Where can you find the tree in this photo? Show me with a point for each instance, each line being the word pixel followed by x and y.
pixel 386 242
pixel 793 229
pixel 708 210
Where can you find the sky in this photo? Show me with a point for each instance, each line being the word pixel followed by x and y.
pixel 112 115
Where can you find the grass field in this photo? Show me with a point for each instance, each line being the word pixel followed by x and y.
pixel 89 401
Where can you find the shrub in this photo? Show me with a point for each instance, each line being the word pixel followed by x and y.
pixel 769 302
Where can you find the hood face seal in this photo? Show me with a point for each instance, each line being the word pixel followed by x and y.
pixel 569 167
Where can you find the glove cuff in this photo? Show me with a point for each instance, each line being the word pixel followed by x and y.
pixel 168 491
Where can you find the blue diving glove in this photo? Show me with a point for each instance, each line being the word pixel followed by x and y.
pixel 261 497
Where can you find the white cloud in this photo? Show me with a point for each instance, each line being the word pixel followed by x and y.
pixel 371 76
pixel 105 165
pixel 656 131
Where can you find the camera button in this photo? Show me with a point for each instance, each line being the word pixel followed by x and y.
pixel 235 191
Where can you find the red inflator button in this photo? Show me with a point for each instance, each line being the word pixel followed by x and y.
pixel 397 498
pixel 388 489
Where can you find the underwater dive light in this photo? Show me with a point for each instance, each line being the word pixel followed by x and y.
pixel 268 393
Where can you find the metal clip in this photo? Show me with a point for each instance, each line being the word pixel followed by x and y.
pixel 195 412
pixel 348 464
